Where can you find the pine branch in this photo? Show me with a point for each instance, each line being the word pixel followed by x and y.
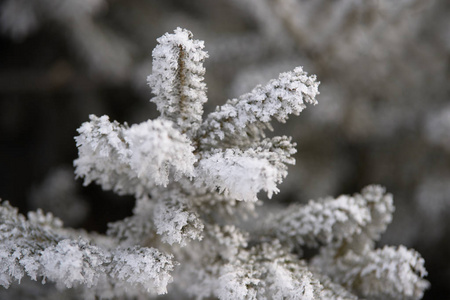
pixel 238 174
pixel 132 160
pixel 34 247
pixel 335 221
pixel 387 273
pixel 175 220
pixel 191 179
pixel 177 79
pixel 243 120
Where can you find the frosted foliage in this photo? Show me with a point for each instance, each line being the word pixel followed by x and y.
pixel 239 175
pixel 230 240
pixel 70 262
pixel 130 160
pixel 326 221
pixel 135 230
pixel 242 174
pixel 103 155
pixel 236 283
pixel 175 222
pixel 177 79
pixel 381 210
pixel 227 267
pixel 387 273
pixel 193 180
pixel 35 247
pixel 267 272
pixel 333 221
pixel 143 266
pixel 245 117
pixel 333 290
pixel 404 273
pixel 47 221
pixel 156 148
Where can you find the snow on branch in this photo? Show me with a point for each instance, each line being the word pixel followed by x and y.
pixel 175 221
pixel 177 79
pixel 240 175
pixel 386 273
pixel 192 180
pixel 31 247
pixel 244 119
pixel 335 220
pixel 147 268
pixel 266 271
pixel 157 148
pixel 231 268
pixel 131 160
pixel 170 217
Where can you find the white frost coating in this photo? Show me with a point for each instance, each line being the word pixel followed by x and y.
pixel 381 205
pixel 131 160
pixel 336 220
pixel 76 262
pixel 188 180
pixel 239 175
pixel 266 271
pixel 242 174
pixel 331 220
pixel 386 273
pixel 38 249
pixel 237 283
pixel 252 112
pixel 286 284
pixel 103 155
pixel 156 148
pixel 71 263
pixel 146 267
pixel 177 79
pixel 175 221
pixel 396 271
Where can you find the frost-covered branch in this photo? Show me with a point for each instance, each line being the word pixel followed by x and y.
pixel 175 220
pixel 241 175
pixel 170 219
pixel 386 273
pixel 38 248
pixel 192 179
pixel 266 271
pixel 334 221
pixel 243 119
pixel 131 160
pixel 177 79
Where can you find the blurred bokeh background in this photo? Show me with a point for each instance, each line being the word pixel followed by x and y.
pixel 383 115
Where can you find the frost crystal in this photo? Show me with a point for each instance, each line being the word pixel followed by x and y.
pixel 130 160
pixel 242 120
pixel 191 178
pixel 44 249
pixel 177 79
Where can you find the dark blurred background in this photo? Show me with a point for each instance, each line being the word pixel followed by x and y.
pixel 383 115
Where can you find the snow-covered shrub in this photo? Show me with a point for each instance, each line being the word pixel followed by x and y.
pixel 193 179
